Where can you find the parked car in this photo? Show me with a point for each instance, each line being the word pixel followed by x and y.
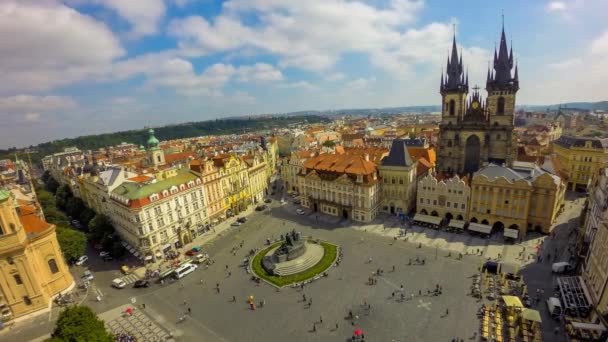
pixel 235 224
pixel 141 283
pixel 242 219
pixel 200 258
pixel 260 208
pixel 297 201
pixel 268 200
pixel 300 211
pixel 119 283
pixel 87 275
pixel 108 258
pixel 81 260
pixel 191 252
pixel 104 254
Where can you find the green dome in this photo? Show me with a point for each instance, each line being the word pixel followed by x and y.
pixel 152 141
pixel 142 148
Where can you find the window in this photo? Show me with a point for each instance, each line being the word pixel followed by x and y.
pixel 448 204
pixel 400 180
pixel 434 202
pixel 26 300
pixel 154 239
pixel 53 266
pixel 452 107
pixel 422 201
pixel 455 205
pixel 500 106
pixel 18 280
pixel 12 225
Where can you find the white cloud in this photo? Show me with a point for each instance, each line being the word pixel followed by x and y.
pixel 122 100
pixel 242 96
pixel 566 64
pixel 303 85
pixel 29 103
pixel 310 35
pixel 259 72
pixel 599 46
pixel 361 83
pixel 336 76
pixel 556 6
pixel 50 45
pixel 144 16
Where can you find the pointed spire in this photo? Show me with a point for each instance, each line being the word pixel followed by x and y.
pixel 516 76
pixel 454 57
pixel 441 85
pixel 511 54
pixel 488 79
pixel 466 81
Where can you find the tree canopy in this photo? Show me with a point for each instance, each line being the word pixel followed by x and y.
pixel 72 242
pixel 80 324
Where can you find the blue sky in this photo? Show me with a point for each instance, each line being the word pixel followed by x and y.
pixel 77 67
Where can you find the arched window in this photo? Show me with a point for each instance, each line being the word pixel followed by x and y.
pixel 452 106
pixel 12 225
pixel 449 143
pixel 53 266
pixel 500 106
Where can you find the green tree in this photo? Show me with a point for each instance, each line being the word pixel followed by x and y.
pixel 80 324
pixel 45 176
pixel 328 143
pixel 86 215
pixel 74 207
pixel 62 196
pixel 52 185
pixel 72 242
pixel 100 228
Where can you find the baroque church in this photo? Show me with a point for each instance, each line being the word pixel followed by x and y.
pixel 474 132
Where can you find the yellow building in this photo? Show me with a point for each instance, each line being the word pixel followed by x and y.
pixel 580 158
pixel 32 269
pixel 234 181
pixel 291 167
pixel 212 188
pixel 515 200
pixel 445 198
pixel 595 267
pixel 258 182
pixel 343 185
pixel 398 174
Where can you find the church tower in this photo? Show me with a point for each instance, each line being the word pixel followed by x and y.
pixel 454 88
pixel 156 156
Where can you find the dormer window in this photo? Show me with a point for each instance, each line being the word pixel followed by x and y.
pixel 182 187
pixel 165 193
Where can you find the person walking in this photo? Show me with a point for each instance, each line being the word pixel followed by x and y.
pixel 320 319
pixel 447 312
pixel 314 327
pixel 189 311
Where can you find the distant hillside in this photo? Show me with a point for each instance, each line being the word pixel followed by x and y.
pixel 602 105
pixel 185 130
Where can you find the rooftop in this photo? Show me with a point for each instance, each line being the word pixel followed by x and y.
pixel 133 190
pixel 398 155
pixel 341 163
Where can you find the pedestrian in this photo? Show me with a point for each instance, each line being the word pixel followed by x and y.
pixel 310 302
pixel 303 297
pixel 234 299
pixel 401 287
pixel 447 312
pixel 314 327
pixel 336 325
pixel 189 311
pixel 420 292
pixel 393 268
pixel 321 319
pixel 185 302
pixel 393 294
pixel 226 267
pixel 229 273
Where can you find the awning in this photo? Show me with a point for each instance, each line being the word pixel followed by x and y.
pixel 427 219
pixel 588 326
pixel 531 315
pixel 458 224
pixel 481 228
pixel 512 301
pixel 511 233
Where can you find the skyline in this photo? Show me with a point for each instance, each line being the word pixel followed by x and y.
pixel 109 65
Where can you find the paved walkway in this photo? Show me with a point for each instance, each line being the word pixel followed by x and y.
pixel 138 324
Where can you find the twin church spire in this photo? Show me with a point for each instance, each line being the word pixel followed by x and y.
pixel 498 78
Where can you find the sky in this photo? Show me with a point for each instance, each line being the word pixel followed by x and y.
pixel 76 67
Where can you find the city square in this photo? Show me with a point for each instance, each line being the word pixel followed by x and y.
pixel 378 310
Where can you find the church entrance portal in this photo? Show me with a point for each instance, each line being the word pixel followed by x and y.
pixel 472 154
pixel 345 213
pixel 315 207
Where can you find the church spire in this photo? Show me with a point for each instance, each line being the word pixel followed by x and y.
pixel 501 77
pixel 454 78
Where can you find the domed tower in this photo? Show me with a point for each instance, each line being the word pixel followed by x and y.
pixel 156 156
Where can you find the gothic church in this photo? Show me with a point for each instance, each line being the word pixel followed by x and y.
pixel 474 132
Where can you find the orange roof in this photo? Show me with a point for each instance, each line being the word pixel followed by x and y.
pixel 423 166
pixel 140 179
pixel 30 221
pixel 375 153
pixel 341 163
pixel 174 157
pixel 339 149
pixel 305 153
pixel 421 152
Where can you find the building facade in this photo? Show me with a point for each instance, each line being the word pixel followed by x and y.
pixel 446 198
pixel 234 181
pixel 258 180
pixel 595 268
pixel 398 174
pixel 156 216
pixel 580 158
pixel 522 198
pixel 292 166
pixel 474 132
pixel 341 185
pixel 212 189
pixel 32 268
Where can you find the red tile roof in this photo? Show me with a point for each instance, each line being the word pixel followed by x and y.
pixel 30 221
pixel 341 163
pixel 175 157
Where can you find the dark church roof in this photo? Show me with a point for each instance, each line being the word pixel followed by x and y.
pixel 569 142
pixel 398 155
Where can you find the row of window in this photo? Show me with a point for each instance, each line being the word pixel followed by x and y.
pixel 449 190
pixel 447 205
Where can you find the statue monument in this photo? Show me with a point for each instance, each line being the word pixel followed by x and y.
pixel 291 248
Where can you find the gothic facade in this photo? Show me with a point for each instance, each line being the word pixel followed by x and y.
pixel 474 131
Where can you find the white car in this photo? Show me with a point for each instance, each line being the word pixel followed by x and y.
pixel 300 212
pixel 118 283
pixel 81 260
pixel 87 276
pixel 104 254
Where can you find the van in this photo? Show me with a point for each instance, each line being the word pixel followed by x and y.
pixel 184 270
pixel 118 283
pixel 561 267
pixel 554 306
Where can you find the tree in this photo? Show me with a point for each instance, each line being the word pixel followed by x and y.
pixel 86 215
pixel 74 207
pixel 100 228
pixel 80 324
pixel 45 176
pixel 72 242
pixel 62 196
pixel 52 185
pixel 328 143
